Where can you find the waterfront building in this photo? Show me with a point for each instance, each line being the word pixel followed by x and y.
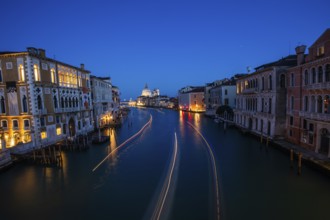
pixel 191 98
pixel 261 99
pixel 115 105
pixel 148 97
pixel 103 103
pixel 308 88
pixel 42 100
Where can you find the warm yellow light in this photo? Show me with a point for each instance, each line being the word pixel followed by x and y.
pixel 58 131
pixel 43 134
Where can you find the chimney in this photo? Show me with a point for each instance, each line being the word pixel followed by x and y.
pixel 42 53
pixel 82 66
pixel 300 51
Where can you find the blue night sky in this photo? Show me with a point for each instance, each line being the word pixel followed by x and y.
pixel 167 44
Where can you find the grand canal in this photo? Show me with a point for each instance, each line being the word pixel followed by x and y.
pixel 181 166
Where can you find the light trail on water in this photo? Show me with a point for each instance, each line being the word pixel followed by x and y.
pixel 214 169
pixel 168 180
pixel 123 144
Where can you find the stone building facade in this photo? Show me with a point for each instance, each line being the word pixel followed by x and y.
pixel 42 100
pixel 308 105
pixel 261 99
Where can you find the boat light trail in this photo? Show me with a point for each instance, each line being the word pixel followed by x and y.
pixel 214 169
pixel 122 144
pixel 167 184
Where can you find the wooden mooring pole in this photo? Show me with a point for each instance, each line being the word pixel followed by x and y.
pixel 299 163
pixel 291 158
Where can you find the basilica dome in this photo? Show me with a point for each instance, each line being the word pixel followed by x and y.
pixel 146 92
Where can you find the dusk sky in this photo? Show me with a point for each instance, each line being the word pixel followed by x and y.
pixel 167 44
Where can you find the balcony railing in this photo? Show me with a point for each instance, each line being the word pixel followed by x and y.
pixel 324 85
pixel 60 110
pixel 42 111
pixel 250 90
pixel 315 116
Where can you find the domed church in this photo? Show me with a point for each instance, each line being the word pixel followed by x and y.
pixel 146 91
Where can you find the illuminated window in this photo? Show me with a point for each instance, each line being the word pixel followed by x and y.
pixel 43 134
pixel 26 138
pixel 52 75
pixel 21 73
pixel 320 51
pixel 36 72
pixel 58 131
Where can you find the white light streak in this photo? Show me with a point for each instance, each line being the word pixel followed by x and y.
pixel 214 169
pixel 125 142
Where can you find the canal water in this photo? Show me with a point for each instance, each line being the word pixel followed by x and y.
pixel 155 172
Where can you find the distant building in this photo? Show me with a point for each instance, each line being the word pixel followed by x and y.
pixel 191 98
pixel 148 97
pixel 42 100
pixel 261 99
pixel 308 102
pixel 103 103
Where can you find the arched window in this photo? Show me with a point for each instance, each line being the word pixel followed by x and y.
pixel 66 102
pixel 312 108
pixel 270 105
pixel 292 79
pixel 319 104
pixel 326 105
pixel 21 73
pixel 2 105
pixel 282 81
pixel 306 103
pixel 0 75
pixel 320 74
pixel 62 102
pixel 313 75
pixel 306 77
pixel 55 102
pixel 70 103
pixel 36 72
pixel 262 83
pixel 24 103
pixel 327 73
pixel 270 82
pixel 77 102
pixel 39 102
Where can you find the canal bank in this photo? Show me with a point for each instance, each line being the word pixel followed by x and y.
pixel 315 160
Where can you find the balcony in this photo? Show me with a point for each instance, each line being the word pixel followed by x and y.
pixel 318 86
pixel 315 116
pixel 250 90
pixel 41 111
pixel 265 115
pixel 60 110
